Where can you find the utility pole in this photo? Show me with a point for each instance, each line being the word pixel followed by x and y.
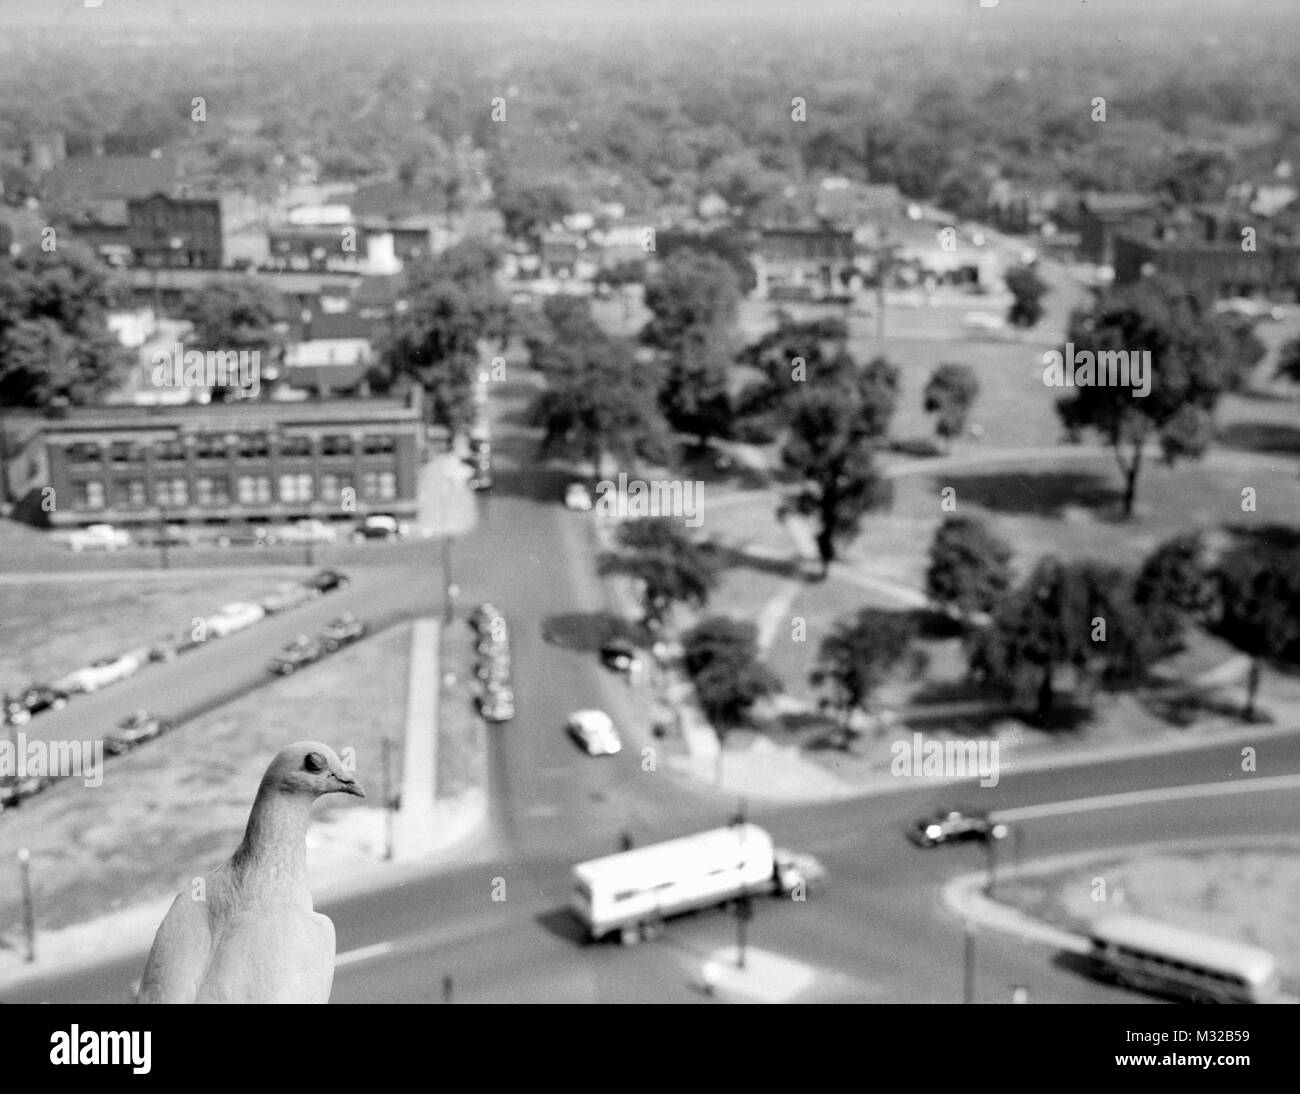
pixel 164 548
pixel 29 910
pixel 11 726
pixel 449 589
pixel 385 748
pixel 745 902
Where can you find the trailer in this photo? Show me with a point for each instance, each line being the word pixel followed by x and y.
pixel 631 892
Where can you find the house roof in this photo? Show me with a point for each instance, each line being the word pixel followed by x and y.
pixel 102 178
pixel 1117 204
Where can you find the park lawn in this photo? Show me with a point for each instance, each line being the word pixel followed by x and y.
pixel 176 807
pixel 50 628
pixel 462 742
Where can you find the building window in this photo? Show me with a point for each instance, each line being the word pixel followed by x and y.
pixel 378 444
pixel 295 488
pixel 210 446
pixel 334 488
pixel 82 453
pixel 171 492
pixel 253 446
pixel 211 491
pixel 129 493
pixel 88 494
pixel 380 485
pixel 125 452
pixel 254 489
pixel 169 452
pixel 295 447
pixel 336 445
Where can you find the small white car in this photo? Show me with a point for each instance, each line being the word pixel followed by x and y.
pixel 594 730
pixel 305 531
pixel 101 673
pixel 233 617
pixel 577 497
pixel 983 321
pixel 103 537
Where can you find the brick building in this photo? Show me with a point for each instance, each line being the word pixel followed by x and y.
pixel 165 232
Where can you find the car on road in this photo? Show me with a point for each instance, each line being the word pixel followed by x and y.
pixel 594 730
pixel 14 790
pixel 481 617
pixel 171 535
pixel 495 668
pixel 242 535
pixel 1249 309
pixel 133 731
pixel 497 703
pixel 288 595
pixel 983 321
pixel 304 532
pixel 100 673
pixel 233 617
pixel 342 631
pixel 481 480
pixel 381 527
pixel 953 825
pixel 35 700
pixel 326 582
pixel 99 537
pixel 578 497
pixel 618 654
pixel 297 654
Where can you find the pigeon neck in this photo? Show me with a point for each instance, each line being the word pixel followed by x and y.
pixel 274 851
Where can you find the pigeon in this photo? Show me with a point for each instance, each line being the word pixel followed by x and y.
pixel 249 933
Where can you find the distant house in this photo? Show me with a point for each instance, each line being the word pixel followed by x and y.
pixel 816 261
pixel 165 232
pixel 1103 216
pixel 844 203
pixel 330 352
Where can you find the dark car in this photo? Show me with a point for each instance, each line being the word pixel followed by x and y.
pixel 35 700
pixel 298 653
pixel 618 654
pixel 14 790
pixel 481 617
pixel 242 535
pixel 133 731
pixel 342 632
pixel 327 581
pixel 952 825
pixel 171 535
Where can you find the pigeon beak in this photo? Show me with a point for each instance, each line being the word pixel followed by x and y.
pixel 345 784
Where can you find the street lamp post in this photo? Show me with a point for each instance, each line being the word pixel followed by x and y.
pixel 448 587
pixel 29 910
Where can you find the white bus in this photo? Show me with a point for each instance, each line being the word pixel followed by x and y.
pixel 631 891
pixel 1153 956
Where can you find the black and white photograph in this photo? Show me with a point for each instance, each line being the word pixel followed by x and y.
pixel 633 502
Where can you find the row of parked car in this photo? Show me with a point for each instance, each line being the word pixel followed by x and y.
pixel 108 537
pixel 305 650
pixel 496 699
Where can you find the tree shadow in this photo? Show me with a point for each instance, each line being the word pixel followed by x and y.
pixel 1184 707
pixel 586 632
pixel 1281 536
pixel 728 558
pixel 1037 493
pixel 564 924
pixel 1271 438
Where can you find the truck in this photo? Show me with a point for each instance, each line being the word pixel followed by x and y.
pixel 631 892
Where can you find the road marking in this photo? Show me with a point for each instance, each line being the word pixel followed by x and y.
pixel 363 954
pixel 1143 797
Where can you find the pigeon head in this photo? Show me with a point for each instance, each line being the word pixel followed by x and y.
pixel 310 767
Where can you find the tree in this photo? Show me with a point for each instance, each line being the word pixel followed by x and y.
pixel 860 654
pixel 970 567
pixel 693 300
pixel 54 338
pixel 529 210
pixel 671 567
pixel 1194 359
pixel 1258 607
pixel 1288 361
pixel 721 656
pixel 1174 588
pixel 788 357
pixel 453 304
pixel 240 316
pixel 950 393
pixel 1028 290
pixel 834 430
pixel 1064 617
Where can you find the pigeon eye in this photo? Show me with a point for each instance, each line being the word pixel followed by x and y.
pixel 314 762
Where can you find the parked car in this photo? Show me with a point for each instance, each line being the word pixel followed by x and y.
pixel 102 537
pixel 495 668
pixel 298 653
pixel 578 497
pixel 134 730
pixel 233 617
pixel 618 654
pixel 594 730
pixel 497 703
pixel 288 595
pixel 100 673
pixel 35 700
pixel 303 532
pixel 1249 309
pixel 14 790
pixel 481 617
pixel 171 535
pixel 983 321
pixel 242 535
pixel 953 825
pixel 380 527
pixel 326 581
pixel 343 631
pixel 481 480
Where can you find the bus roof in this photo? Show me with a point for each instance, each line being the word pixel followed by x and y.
pixel 663 861
pixel 1190 947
